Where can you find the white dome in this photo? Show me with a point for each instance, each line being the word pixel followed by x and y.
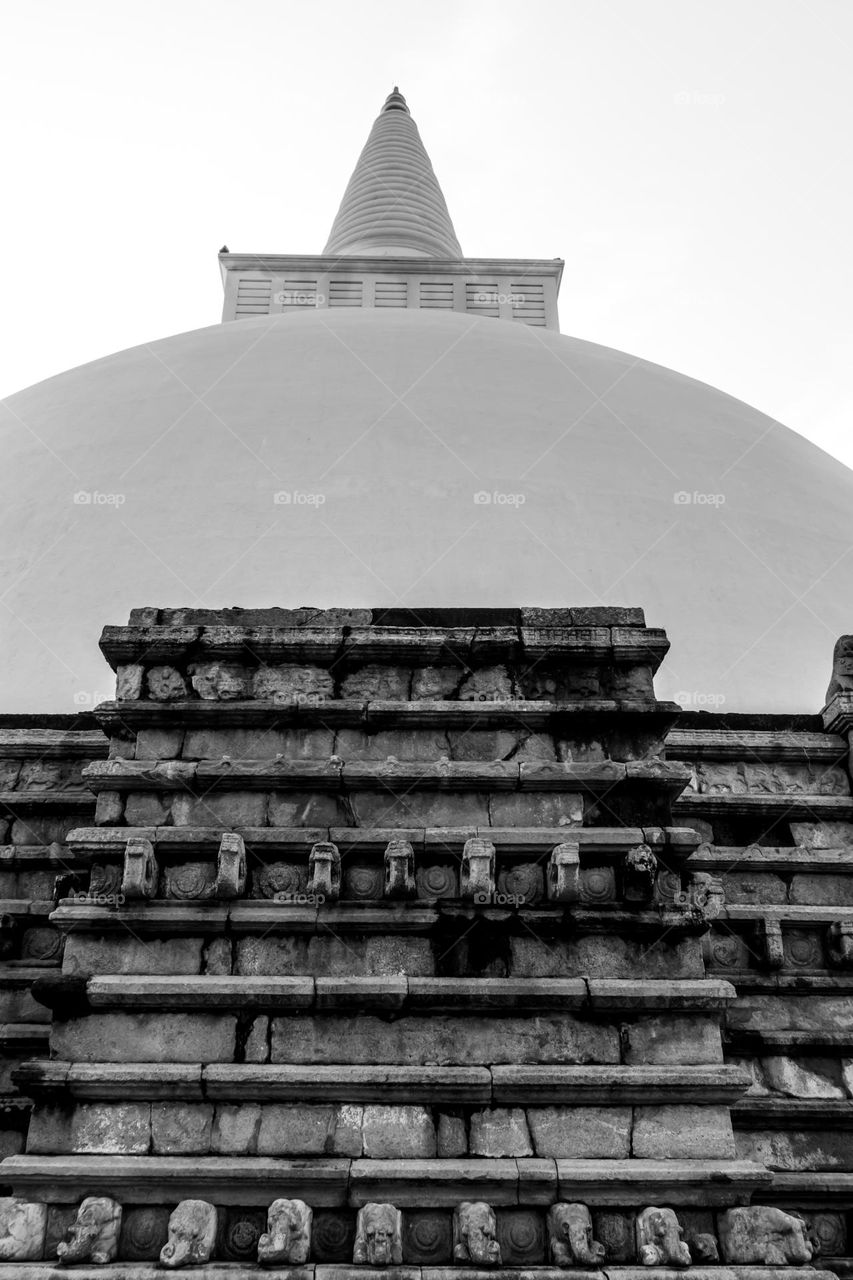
pixel 397 420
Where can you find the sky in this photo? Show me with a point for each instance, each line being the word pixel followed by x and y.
pixel 688 159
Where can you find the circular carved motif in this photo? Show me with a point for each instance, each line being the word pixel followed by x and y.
pixel 803 949
pixel 522 1237
pixel 827 1231
pixel 40 944
pixel 192 880
pixel 427 1237
pixel 242 1233
pixel 332 1237
pixel 279 877
pixel 437 882
pixel 363 883
pixel 598 884
pixel 143 1234
pixel 726 951
pixel 105 879
pixel 668 885
pixel 523 880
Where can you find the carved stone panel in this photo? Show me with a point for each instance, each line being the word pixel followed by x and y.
pixel 144 1231
pixel 428 1237
pixel 521 1236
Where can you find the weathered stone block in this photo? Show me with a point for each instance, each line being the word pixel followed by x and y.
pixel 219 681
pixel 146 1037
pixel 101 1128
pixel 822 890
pixel 347 1137
pixel 165 684
pixel 221 809
pixel 500 1132
pixel 452 1137
pixel 754 886
pixel 257 1041
pixel 235 1129
pixel 536 809
pixel 159 744
pixel 376 682
pixel 22 1229
pixel 581 1133
pixel 436 684
pixel 668 1040
pixel 146 808
pixel 283 957
pixel 397 1132
pixel 49 1131
pixel 305 809
pixel 822 835
pixel 682 1133
pixel 420 809
pixel 181 1128
pixel 88 954
pixel 129 677
pixel 294 1129
pixel 604 956
pixel 292 684
pixel 800 1078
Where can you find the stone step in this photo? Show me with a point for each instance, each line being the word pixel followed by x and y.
pixel 765 746
pixel 792 1113
pixel 416 646
pixel 335 775
pixel 796 807
pixel 450 1086
pixel 405 1183
pixel 596 845
pixel 523 996
pixel 171 917
pixel 563 717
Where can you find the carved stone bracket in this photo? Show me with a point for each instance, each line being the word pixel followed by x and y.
pixel 564 873
pixel 231 866
pixel 478 870
pixel 139 876
pixel 324 867
pixel 399 870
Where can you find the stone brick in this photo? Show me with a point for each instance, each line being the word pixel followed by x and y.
pixel 165 684
pixel 371 956
pixel 129 678
pixel 796 1013
pixel 146 1037
pixel 218 957
pixel 822 835
pixel 536 809
pixel 219 681
pixel 420 809
pixel 435 684
pixel 181 1128
pixel 305 809
pixel 796 1152
pixel 822 890
pixel 257 1041
pixel 283 957
pixel 347 1135
pixel 86 954
pixel 159 744
pixel 294 1129
pixel 754 886
pixel 376 682
pixel 49 1131
pixel 581 1133
pixel 397 1133
pixel 466 1041
pixel 404 744
pixel 487 684
pixel 604 956
pixel 147 808
pixel 291 683
pixel 452 1138
pixel 220 809
pixel 32 830
pixel 101 1128
pixel 500 1132
pixel 796 1078
pixel 682 1133
pixel 109 809
pixel 235 1129
pixel 667 1040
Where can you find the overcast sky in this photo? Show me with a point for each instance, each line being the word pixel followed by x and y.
pixel 689 159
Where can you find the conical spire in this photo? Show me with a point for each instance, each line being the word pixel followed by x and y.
pixel 393 204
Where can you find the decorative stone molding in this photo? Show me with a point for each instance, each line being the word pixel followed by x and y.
pixel 478 870
pixel 324 864
pixel 139 877
pixel 564 873
pixel 639 871
pixel 231 866
pixel 400 870
pixel 475 1235
pixel 660 1240
pixel 378 1235
pixel 192 1234
pixel 764 1235
pixel 22 1229
pixel 570 1237
pixel 839 944
pixel 287 1238
pixel 94 1234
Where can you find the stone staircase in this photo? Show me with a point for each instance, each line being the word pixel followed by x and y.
pixel 418 924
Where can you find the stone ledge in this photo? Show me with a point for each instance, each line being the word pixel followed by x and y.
pixel 788 1043
pixel 321 775
pixel 597 845
pixel 764 746
pixel 19 1038
pixel 14 803
pixel 125 717
pixel 450 1086
pixel 405 1183
pixel 417 995
pixel 792 1113
pixel 812 1189
pixel 795 860
pixel 50 744
pixel 798 808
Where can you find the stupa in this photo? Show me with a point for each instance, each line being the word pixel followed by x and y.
pixel 426 942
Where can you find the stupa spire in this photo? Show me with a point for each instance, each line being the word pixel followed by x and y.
pixel 393 205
